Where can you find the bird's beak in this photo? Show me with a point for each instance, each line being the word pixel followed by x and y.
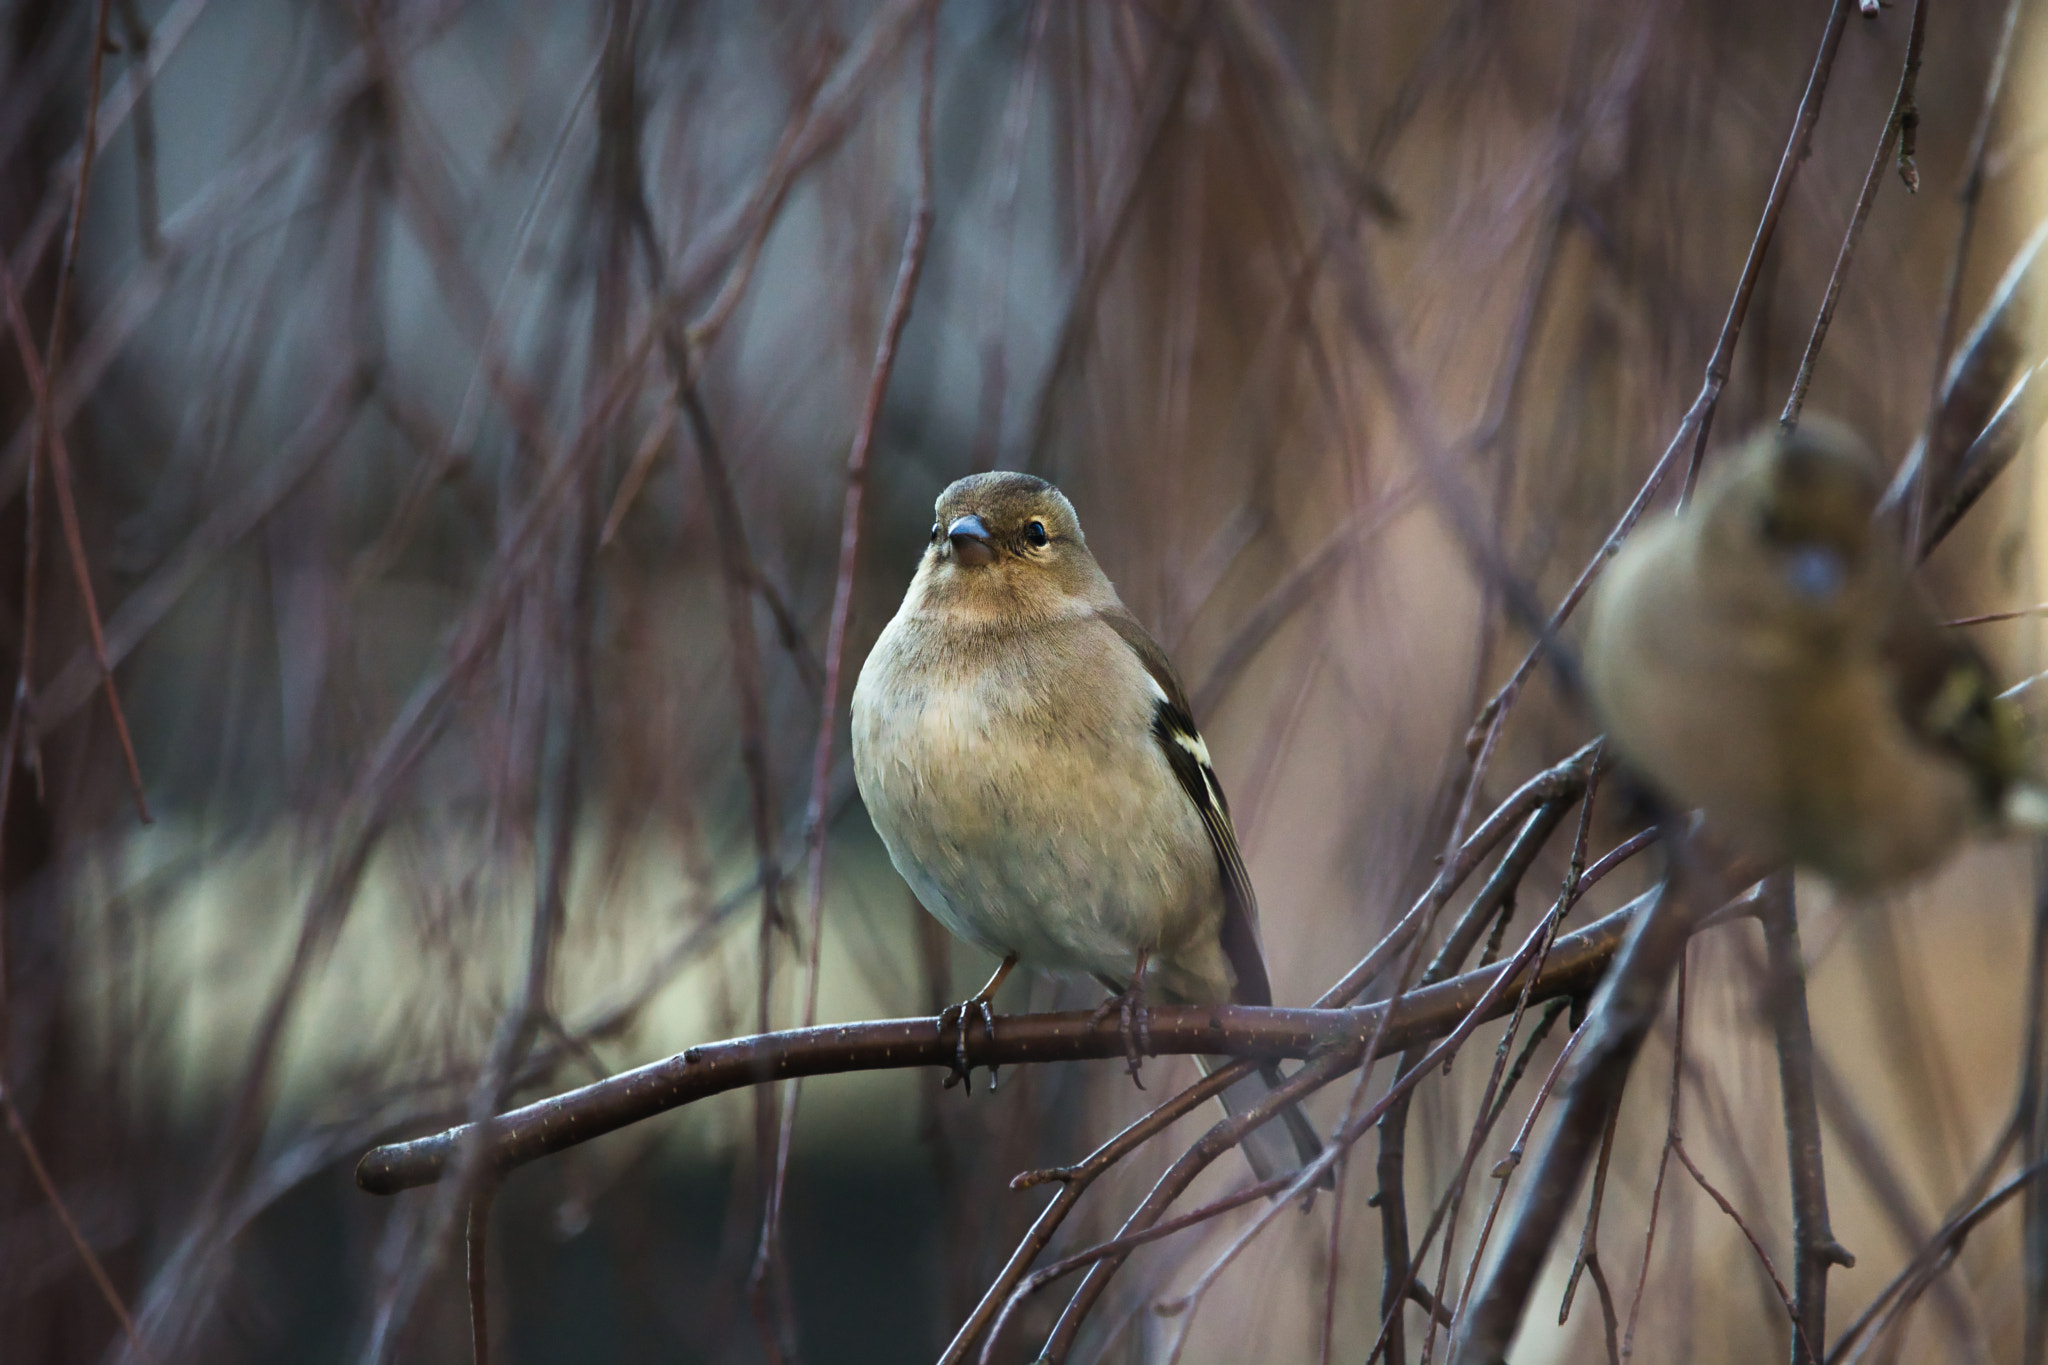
pixel 970 541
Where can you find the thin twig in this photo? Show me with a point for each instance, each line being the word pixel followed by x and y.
pixel 477 1245
pixel 1074 1181
pixel 1928 1258
pixel 637 470
pixel 909 267
pixel 1968 194
pixel 1671 1141
pixel 1588 1257
pixel 1902 108
pixel 736 565
pixel 1803 1348
pixel 1397 1271
pixel 1212 1144
pixel 1166 82
pixel 148 213
pixel 1619 1019
pixel 1355 1125
pixel 1003 187
pixel 49 440
pixel 1900 1294
pixel 1333 1247
pixel 33 1157
pixel 1561 782
pixel 1814 1245
pixel 2033 1117
pixel 1774 206
pixel 1698 419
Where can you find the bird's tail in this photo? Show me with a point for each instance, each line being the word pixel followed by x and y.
pixel 1273 1148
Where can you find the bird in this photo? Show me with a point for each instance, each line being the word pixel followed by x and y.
pixel 1765 657
pixel 1027 754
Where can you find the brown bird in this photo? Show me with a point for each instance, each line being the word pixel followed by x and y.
pixel 1026 752
pixel 1765 657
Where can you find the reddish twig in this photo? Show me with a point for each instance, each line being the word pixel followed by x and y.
pixel 1803 1348
pixel 57 456
pixel 1698 419
pixel 477 1243
pixel 1588 1258
pixel 1397 1268
pixel 1794 156
pixel 1166 82
pixel 1505 1167
pixel 1940 1253
pixel 33 1157
pixel 1902 109
pixel 1815 1248
pixel 736 565
pixel 1671 1141
pixel 1933 482
pixel 638 468
pixel 1355 1126
pixel 2032 1111
pixel 1333 1246
pixel 1073 1182
pixel 127 96
pixel 1003 187
pixel 329 417
pixel 47 444
pixel 909 267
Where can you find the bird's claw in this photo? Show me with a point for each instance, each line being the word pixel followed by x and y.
pixel 1134 1021
pixel 956 1017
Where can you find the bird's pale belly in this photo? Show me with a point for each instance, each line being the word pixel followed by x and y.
pixel 1790 765
pixel 1040 851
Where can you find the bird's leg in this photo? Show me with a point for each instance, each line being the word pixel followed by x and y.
pixel 1129 1006
pixel 957 1016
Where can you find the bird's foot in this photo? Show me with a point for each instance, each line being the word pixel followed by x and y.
pixel 1134 1019
pixel 955 1016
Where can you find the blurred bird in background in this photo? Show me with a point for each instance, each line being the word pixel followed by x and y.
pixel 1763 656
pixel 1026 752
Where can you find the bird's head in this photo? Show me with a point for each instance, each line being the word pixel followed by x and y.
pixel 1008 545
pixel 1792 512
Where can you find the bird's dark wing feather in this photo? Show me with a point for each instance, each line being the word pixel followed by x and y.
pixel 1188 756
pixel 1949 698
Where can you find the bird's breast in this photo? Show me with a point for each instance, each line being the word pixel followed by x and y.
pixel 1032 811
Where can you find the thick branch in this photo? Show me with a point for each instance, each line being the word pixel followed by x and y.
pixel 1618 1021
pixel 551 1125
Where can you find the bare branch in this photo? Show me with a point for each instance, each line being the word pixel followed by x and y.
pixel 1814 1245
pixel 552 1125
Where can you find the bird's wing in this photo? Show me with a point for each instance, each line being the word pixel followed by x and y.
pixel 1186 753
pixel 1949 698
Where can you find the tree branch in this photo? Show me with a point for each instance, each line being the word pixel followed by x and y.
pixel 1575 964
pixel 1814 1245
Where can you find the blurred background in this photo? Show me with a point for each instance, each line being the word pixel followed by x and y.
pixel 474 693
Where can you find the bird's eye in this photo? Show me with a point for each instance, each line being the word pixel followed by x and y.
pixel 935 533
pixel 1035 533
